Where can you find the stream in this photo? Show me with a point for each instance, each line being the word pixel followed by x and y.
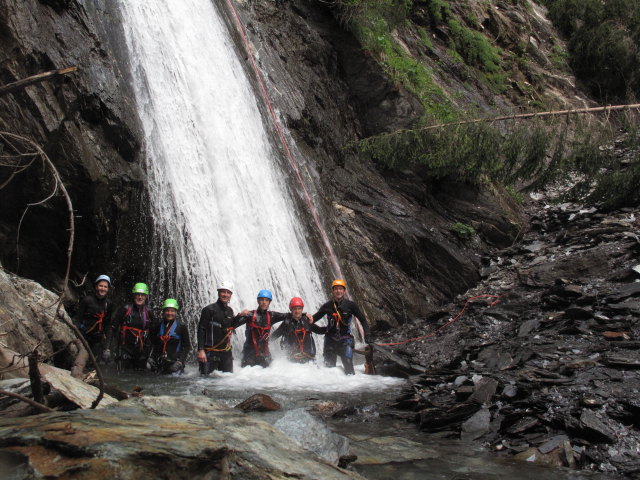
pixel 385 447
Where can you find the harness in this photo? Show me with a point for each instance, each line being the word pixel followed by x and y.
pixel 338 320
pixel 263 336
pixel 169 335
pixel 138 333
pixel 217 347
pixel 300 334
pixel 98 323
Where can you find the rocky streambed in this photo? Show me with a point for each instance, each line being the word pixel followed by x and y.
pixel 551 372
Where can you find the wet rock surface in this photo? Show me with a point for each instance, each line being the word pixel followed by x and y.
pixel 166 437
pixel 28 320
pixel 543 362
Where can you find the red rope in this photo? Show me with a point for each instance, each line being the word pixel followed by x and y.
pixel 337 271
pixel 433 334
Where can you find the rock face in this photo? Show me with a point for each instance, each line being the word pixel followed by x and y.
pixel 27 320
pixel 392 232
pixel 87 124
pixel 163 437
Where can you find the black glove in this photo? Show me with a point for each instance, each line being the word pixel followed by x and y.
pixel 176 367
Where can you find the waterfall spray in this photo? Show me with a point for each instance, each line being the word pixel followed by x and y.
pixel 221 205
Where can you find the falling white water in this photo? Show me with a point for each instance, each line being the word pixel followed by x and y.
pixel 220 201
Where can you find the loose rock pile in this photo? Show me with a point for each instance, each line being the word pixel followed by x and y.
pixel 551 373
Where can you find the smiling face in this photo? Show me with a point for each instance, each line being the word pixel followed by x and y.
pixel 102 288
pixel 263 304
pixel 170 314
pixel 296 312
pixel 338 292
pixel 139 299
pixel 224 295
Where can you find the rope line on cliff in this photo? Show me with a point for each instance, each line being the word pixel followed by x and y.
pixel 285 144
pixel 433 334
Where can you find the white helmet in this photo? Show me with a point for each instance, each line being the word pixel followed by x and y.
pixel 225 285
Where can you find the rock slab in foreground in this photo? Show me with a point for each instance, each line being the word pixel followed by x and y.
pixel 164 437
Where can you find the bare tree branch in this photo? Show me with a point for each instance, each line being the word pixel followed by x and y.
pixel 25 82
pixel 59 186
pixel 39 406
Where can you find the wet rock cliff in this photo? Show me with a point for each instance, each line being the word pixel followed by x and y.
pixel 86 123
pixel 392 230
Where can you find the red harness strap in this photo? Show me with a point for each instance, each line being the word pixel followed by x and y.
pixel 166 337
pixel 262 335
pixel 137 333
pixel 97 323
pixel 300 335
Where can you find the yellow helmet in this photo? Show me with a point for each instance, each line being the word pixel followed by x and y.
pixel 339 283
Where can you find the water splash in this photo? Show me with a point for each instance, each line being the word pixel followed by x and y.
pixel 220 201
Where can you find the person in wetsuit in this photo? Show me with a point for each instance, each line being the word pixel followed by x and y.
pixel 129 332
pixel 296 333
pixel 171 343
pixel 92 317
pixel 338 341
pixel 259 323
pixel 214 333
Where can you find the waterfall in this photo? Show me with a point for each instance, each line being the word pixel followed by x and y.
pixel 222 206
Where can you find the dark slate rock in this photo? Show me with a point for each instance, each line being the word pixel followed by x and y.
pixel 595 429
pixel 484 391
pixel 553 443
pixel 477 425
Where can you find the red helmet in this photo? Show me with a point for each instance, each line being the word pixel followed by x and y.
pixel 296 302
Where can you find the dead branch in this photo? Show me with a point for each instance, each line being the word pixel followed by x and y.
pixel 34 376
pixel 59 186
pixel 552 113
pixel 33 403
pixel 25 82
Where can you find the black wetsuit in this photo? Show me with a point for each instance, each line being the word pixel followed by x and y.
pixel 214 336
pixel 297 337
pixel 129 331
pixel 256 345
pixel 92 319
pixel 171 345
pixel 338 341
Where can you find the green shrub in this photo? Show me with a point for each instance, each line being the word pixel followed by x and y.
pixel 463 231
pixel 604 44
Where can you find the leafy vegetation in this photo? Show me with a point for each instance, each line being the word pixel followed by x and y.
pixel 463 231
pixel 533 153
pixel 604 43
pixel 373 22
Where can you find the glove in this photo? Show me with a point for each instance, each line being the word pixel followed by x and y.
pixel 368 339
pixel 176 367
pixel 106 356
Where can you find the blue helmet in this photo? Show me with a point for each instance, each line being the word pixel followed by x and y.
pixel 265 294
pixel 103 277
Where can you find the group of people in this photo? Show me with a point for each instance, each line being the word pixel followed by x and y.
pixel 139 342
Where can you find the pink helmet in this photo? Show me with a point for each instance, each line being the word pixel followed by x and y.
pixel 296 302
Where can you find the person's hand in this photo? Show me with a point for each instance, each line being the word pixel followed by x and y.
pixel 244 313
pixel 368 340
pixel 202 356
pixel 310 318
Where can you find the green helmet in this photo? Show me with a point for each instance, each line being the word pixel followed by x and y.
pixel 140 288
pixel 170 303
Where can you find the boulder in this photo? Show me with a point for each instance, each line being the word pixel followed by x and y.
pixel 156 437
pixel 28 319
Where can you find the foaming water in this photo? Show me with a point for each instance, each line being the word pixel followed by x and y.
pixel 283 376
